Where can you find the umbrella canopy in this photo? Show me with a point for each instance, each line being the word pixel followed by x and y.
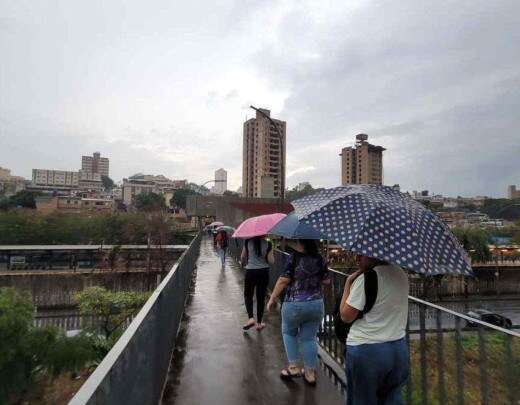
pixel 215 224
pixel 291 228
pixel 257 226
pixel 380 222
pixel 226 228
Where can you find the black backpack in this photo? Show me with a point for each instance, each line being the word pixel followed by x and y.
pixel 343 328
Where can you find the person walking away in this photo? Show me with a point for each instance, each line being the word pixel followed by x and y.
pixel 302 310
pixel 376 355
pixel 256 256
pixel 222 243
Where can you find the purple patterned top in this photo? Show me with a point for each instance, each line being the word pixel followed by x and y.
pixel 309 274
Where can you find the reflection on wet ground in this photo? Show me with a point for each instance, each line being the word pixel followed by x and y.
pixel 215 362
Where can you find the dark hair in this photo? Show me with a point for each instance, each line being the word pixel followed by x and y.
pixel 257 244
pixel 310 246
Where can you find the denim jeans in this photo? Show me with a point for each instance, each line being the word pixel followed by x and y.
pixel 376 373
pixel 222 255
pixel 300 324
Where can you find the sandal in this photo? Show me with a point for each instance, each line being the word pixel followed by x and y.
pixel 309 381
pixel 248 325
pixel 260 326
pixel 287 375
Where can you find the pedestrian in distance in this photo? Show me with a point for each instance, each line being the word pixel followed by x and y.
pixel 222 243
pixel 376 355
pixel 302 309
pixel 256 256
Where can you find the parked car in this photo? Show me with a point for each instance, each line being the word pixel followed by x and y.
pixel 490 317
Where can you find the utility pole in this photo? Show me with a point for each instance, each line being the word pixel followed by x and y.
pixel 280 139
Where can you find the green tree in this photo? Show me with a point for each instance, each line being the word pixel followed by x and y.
pixel 108 183
pixel 294 194
pixel 113 255
pixel 180 195
pixel 502 208
pixel 22 199
pixel 26 351
pixel 111 308
pixel 149 202
pixel 475 241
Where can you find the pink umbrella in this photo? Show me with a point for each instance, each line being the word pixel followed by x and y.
pixel 257 226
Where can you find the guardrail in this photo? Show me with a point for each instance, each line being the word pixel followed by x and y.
pixel 453 358
pixel 135 370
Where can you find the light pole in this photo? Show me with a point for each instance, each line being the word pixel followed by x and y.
pixel 280 139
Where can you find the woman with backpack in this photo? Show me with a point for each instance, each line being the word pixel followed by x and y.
pixel 221 241
pixel 256 256
pixel 376 355
pixel 302 309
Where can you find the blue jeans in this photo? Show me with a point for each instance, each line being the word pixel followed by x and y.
pixel 222 255
pixel 300 324
pixel 376 373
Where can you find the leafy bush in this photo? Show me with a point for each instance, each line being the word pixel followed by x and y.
pixel 26 351
pixel 112 309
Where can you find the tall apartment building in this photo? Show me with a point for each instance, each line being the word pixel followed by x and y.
pixel 263 157
pixel 362 163
pixel 512 192
pixel 220 186
pixel 55 178
pixel 95 164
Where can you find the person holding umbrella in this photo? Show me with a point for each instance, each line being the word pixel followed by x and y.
pixel 388 231
pixel 256 256
pixel 302 309
pixel 221 241
pixel 376 355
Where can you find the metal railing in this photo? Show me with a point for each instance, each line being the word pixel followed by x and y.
pixel 135 370
pixel 453 358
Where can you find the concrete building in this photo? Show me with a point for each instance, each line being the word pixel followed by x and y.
pixel 512 192
pixel 89 181
pixel 55 178
pixel 362 163
pixel 220 186
pixel 263 157
pixel 147 183
pixel 95 164
pixel 10 185
pixel 73 205
pixel 5 174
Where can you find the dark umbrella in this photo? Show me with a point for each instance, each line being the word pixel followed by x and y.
pixel 291 228
pixel 381 222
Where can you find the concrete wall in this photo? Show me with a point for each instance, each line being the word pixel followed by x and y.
pixel 56 290
pixel 233 210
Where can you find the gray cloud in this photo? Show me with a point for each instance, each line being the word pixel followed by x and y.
pixel 165 88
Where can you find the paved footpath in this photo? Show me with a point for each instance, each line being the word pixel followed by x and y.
pixel 216 363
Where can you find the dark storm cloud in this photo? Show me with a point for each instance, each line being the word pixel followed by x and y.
pixel 438 81
pixel 164 87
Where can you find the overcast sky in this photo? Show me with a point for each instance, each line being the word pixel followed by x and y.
pixel 163 87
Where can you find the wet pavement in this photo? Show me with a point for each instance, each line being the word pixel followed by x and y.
pixel 215 362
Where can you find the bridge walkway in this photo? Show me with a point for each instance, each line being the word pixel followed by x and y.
pixel 215 362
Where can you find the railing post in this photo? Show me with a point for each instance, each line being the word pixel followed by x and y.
pixel 409 386
pixel 440 357
pixel 484 392
pixel 422 349
pixel 459 363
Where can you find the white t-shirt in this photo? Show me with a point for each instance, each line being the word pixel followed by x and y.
pixel 386 321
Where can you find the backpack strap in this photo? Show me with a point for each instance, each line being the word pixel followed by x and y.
pixel 371 287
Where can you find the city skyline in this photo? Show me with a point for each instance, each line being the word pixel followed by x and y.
pixel 436 101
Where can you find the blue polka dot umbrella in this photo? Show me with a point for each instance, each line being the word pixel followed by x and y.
pixel 379 221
